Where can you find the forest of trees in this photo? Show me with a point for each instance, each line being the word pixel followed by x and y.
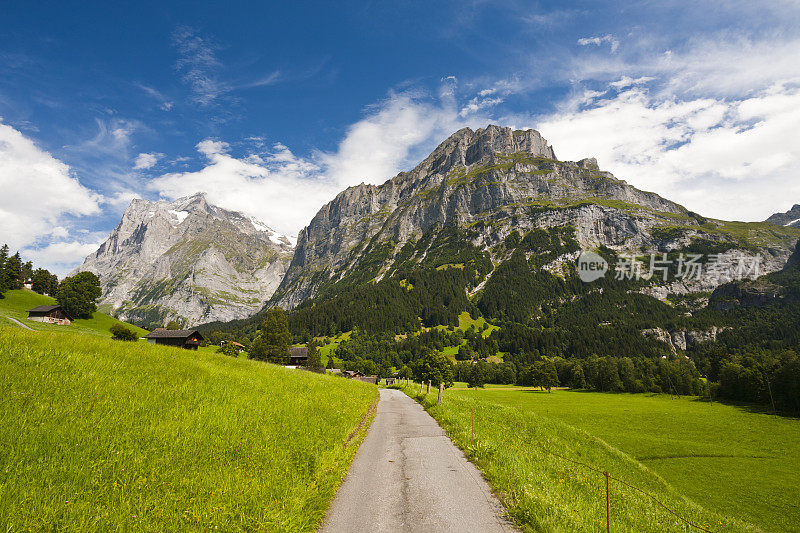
pixel 14 273
pixel 551 329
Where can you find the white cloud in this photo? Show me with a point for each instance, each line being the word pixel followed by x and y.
pixel 715 65
pixel 276 187
pixel 38 191
pixel 121 199
pixel 146 161
pixel 733 159
pixel 627 81
pixel 286 191
pixel 479 103
pixel 597 41
pixel 61 257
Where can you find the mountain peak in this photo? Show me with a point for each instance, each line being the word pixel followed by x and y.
pixel 789 218
pixel 467 146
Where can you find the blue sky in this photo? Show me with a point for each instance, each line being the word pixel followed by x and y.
pixel 273 107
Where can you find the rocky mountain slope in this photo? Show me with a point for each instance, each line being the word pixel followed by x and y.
pixel 188 261
pixel 789 218
pixel 480 187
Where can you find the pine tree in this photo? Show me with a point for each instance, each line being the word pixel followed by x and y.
pixel 3 259
pixel 273 343
pixel 314 360
pixel 12 272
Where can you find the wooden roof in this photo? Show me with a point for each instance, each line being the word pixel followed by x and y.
pixel 173 334
pixel 298 351
pixel 44 308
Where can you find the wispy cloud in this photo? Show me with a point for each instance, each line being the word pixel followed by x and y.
pixel 198 64
pixel 608 38
pixel 165 104
pixel 202 70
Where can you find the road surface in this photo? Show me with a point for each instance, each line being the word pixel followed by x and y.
pixel 408 477
pixel 20 324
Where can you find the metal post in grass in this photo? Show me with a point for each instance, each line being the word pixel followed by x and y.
pixel 441 391
pixel 608 504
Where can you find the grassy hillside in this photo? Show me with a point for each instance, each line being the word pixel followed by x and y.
pixel 16 304
pixel 748 457
pixel 99 435
pixel 531 461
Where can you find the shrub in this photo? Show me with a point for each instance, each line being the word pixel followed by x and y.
pixel 122 333
pixel 228 349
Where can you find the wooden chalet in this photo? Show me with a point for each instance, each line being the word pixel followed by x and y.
pixel 181 338
pixel 298 356
pixel 52 314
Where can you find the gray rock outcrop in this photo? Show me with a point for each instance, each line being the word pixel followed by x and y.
pixel 494 181
pixel 188 261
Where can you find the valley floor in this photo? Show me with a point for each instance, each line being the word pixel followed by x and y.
pixel 736 460
pixel 740 465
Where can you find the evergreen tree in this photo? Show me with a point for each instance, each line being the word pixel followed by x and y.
pixel 12 272
pixel 3 259
pixel 273 343
pixel 78 294
pixel 314 359
pixel 173 325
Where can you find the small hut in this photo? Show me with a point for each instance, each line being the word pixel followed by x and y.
pixel 182 338
pixel 52 314
pixel 298 356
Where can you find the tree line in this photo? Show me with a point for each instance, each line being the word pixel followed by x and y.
pixel 77 294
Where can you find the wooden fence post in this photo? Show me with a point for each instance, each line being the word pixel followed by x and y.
pixel 429 387
pixel 441 391
pixel 421 386
pixel 608 504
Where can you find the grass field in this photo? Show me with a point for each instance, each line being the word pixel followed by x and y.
pixel 16 305
pixel 526 451
pixel 731 459
pixel 100 435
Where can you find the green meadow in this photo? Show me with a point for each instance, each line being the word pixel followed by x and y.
pixel 733 459
pixel 101 435
pixel 17 302
pixel 722 467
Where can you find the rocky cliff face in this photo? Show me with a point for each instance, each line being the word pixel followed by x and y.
pixel 789 218
pixel 491 182
pixel 189 261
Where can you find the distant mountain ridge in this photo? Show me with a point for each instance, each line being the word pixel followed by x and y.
pixel 790 218
pixel 189 261
pixel 487 184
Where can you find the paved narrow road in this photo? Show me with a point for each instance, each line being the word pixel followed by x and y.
pixel 20 324
pixel 408 477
